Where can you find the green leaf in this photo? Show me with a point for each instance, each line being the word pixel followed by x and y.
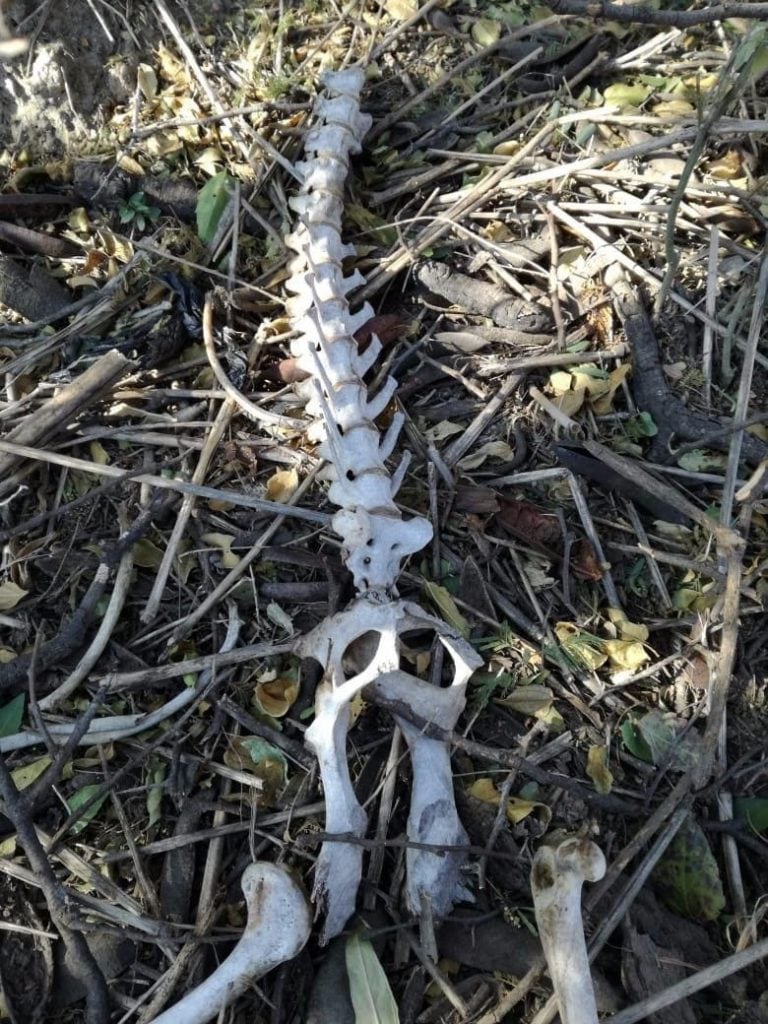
pixel 79 799
pixel 442 600
pixel 753 809
pixel 687 876
pixel 697 461
pixel 11 715
pixel 211 204
pixel 634 742
pixel 369 989
pixel 625 95
pixel 371 223
pixel 28 773
pixel 669 744
pixel 269 765
pixel 641 426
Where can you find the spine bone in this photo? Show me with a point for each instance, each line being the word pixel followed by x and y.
pixel 374 535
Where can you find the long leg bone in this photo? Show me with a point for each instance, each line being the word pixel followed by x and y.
pixel 278 926
pixel 433 819
pixel 556 881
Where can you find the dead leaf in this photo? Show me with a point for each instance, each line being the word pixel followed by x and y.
pixel 388 328
pixel 528 700
pixel 447 607
pixel 401 10
pixel 598 770
pixel 476 500
pixel 490 450
pixel 223 542
pixel 10 595
pixel 528 522
pixel 282 485
pixel 274 697
pixel 146 79
pixel 584 561
pixel 517 809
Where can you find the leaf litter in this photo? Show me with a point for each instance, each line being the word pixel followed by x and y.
pixel 607 204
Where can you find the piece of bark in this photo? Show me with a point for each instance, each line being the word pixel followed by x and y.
pixel 495 945
pixel 32 293
pixel 482 298
pixel 37 241
pixel 65 405
pixel 653 393
pixel 575 457
pixel 33 204
pixel 648 968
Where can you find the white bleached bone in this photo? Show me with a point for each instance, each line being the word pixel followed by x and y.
pixel 360 646
pixel 364 640
pixel 556 881
pixel 375 537
pixel 278 926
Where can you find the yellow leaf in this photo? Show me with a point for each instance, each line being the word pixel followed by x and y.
pixel 585 650
pixel 282 485
pixel 10 595
pixel 506 148
pixel 626 655
pixel 356 707
pixel 401 10
pixel 78 220
pixel 8 847
pixel 517 809
pixel 552 719
pixel 99 453
pixel 602 405
pixel 625 95
pixel 163 144
pixel 210 160
pixel 82 281
pixel 6 655
pixel 28 773
pixel 275 697
pixel 115 245
pixel 697 84
pixel 598 770
pixel 130 166
pixel 728 167
pixel 223 542
pixel 146 79
pixel 673 108
pixel 561 382
pixel 485 32
pixel 627 630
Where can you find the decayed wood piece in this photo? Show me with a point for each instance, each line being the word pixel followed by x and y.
pixel 70 400
pixel 360 646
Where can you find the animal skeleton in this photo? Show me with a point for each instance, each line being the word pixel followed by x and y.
pixel 375 538
pixel 360 648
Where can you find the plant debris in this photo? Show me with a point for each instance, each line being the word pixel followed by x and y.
pixel 585 183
